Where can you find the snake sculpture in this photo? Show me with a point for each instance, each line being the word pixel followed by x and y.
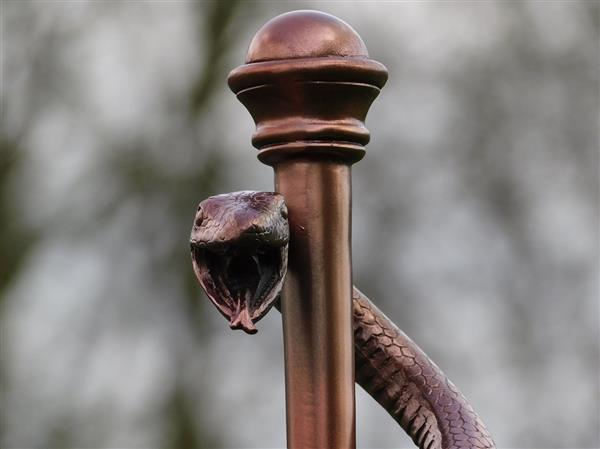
pixel 239 245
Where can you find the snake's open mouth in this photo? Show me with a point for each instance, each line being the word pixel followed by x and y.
pixel 242 282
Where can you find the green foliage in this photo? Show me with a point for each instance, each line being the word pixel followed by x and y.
pixel 16 239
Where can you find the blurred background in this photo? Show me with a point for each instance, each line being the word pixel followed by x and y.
pixel 475 218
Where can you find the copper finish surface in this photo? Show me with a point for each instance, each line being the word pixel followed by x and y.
pixel 308 85
pixel 239 244
pixel 307 103
pixel 316 305
pixel 305 34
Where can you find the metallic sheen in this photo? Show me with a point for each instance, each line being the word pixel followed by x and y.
pixel 308 84
pixel 239 245
pixel 305 34
pixel 389 365
pixel 316 305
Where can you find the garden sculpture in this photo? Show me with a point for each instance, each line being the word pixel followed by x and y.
pixel 308 83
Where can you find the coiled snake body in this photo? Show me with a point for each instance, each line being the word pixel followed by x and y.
pixel 239 248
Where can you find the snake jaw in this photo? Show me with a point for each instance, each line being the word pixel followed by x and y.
pixel 243 283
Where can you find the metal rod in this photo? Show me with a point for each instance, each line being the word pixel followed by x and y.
pixel 316 305
pixel 308 84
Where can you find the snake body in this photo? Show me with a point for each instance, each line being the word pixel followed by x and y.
pixel 413 390
pixel 239 253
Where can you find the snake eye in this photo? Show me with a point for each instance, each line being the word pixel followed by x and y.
pixel 198 221
pixel 284 213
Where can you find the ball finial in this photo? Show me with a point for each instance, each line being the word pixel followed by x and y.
pixel 305 34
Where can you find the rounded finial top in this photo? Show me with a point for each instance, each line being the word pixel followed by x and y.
pixel 305 34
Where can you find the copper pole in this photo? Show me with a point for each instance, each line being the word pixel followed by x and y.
pixel 316 305
pixel 308 84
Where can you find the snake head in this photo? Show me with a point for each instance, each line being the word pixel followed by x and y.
pixel 239 246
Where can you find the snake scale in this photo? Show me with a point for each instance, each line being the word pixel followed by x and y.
pixel 239 246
